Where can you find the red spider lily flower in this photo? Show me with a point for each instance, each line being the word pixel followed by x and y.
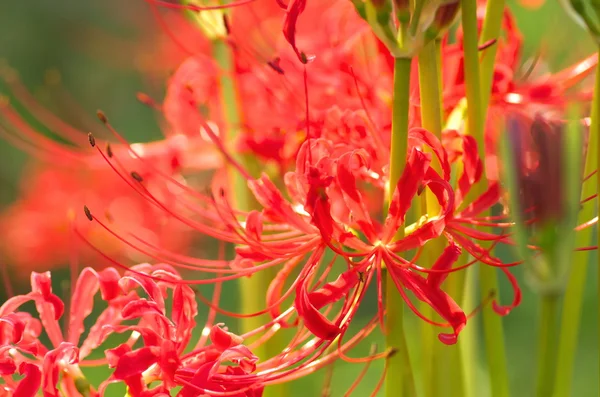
pixel 463 225
pixel 270 82
pixel 327 206
pixel 137 297
pixel 38 227
pixel 325 190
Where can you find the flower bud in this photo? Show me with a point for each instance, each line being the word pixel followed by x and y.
pixel 407 26
pixel 543 176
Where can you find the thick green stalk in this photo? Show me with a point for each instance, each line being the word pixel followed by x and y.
pixel 547 339
pixel 399 380
pixel 492 323
pixel 573 299
pixel 439 375
pixel 487 59
pixel 252 297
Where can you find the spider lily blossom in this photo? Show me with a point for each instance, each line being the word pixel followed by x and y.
pixel 136 308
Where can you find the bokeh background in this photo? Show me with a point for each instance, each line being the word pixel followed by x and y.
pixel 79 56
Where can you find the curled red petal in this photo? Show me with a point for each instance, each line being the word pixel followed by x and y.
pixel 136 362
pixel 54 361
pixel 443 263
pixel 113 355
pixel 504 310
pixel 16 324
pixel 335 290
pixel 439 301
pixel 139 307
pixel 314 320
pixel 222 339
pixel 7 366
pixel 109 283
pixel 240 355
pixel 30 384
pixel 407 187
pixel 254 225
pixel 294 9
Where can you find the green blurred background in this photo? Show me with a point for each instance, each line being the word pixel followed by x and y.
pixel 89 45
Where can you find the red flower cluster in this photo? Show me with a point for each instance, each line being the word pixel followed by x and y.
pixel 321 125
pixel 134 306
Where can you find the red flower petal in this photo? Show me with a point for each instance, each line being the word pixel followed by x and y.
pixel 295 8
pixel 407 187
pixel 30 384
pixel 82 302
pixel 136 362
pixel 222 339
pixel 54 361
pixel 443 263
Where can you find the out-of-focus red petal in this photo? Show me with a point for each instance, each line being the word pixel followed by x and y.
pixel 295 8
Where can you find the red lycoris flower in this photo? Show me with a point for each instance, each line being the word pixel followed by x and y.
pixel 137 297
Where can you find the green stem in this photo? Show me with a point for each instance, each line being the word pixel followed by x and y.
pixel 468 341
pixel 439 375
pixel 492 323
pixel 400 110
pixel 547 338
pixel 251 298
pixel 399 381
pixel 491 30
pixel 573 299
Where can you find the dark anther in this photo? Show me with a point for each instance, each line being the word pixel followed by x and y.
pixel 109 151
pixel 221 192
pixel 109 217
pixel 487 44
pixel 137 176
pixel 88 213
pixel 226 24
pixel 101 116
pixel 274 64
pixel 91 139
pixel 392 352
pixel 145 99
